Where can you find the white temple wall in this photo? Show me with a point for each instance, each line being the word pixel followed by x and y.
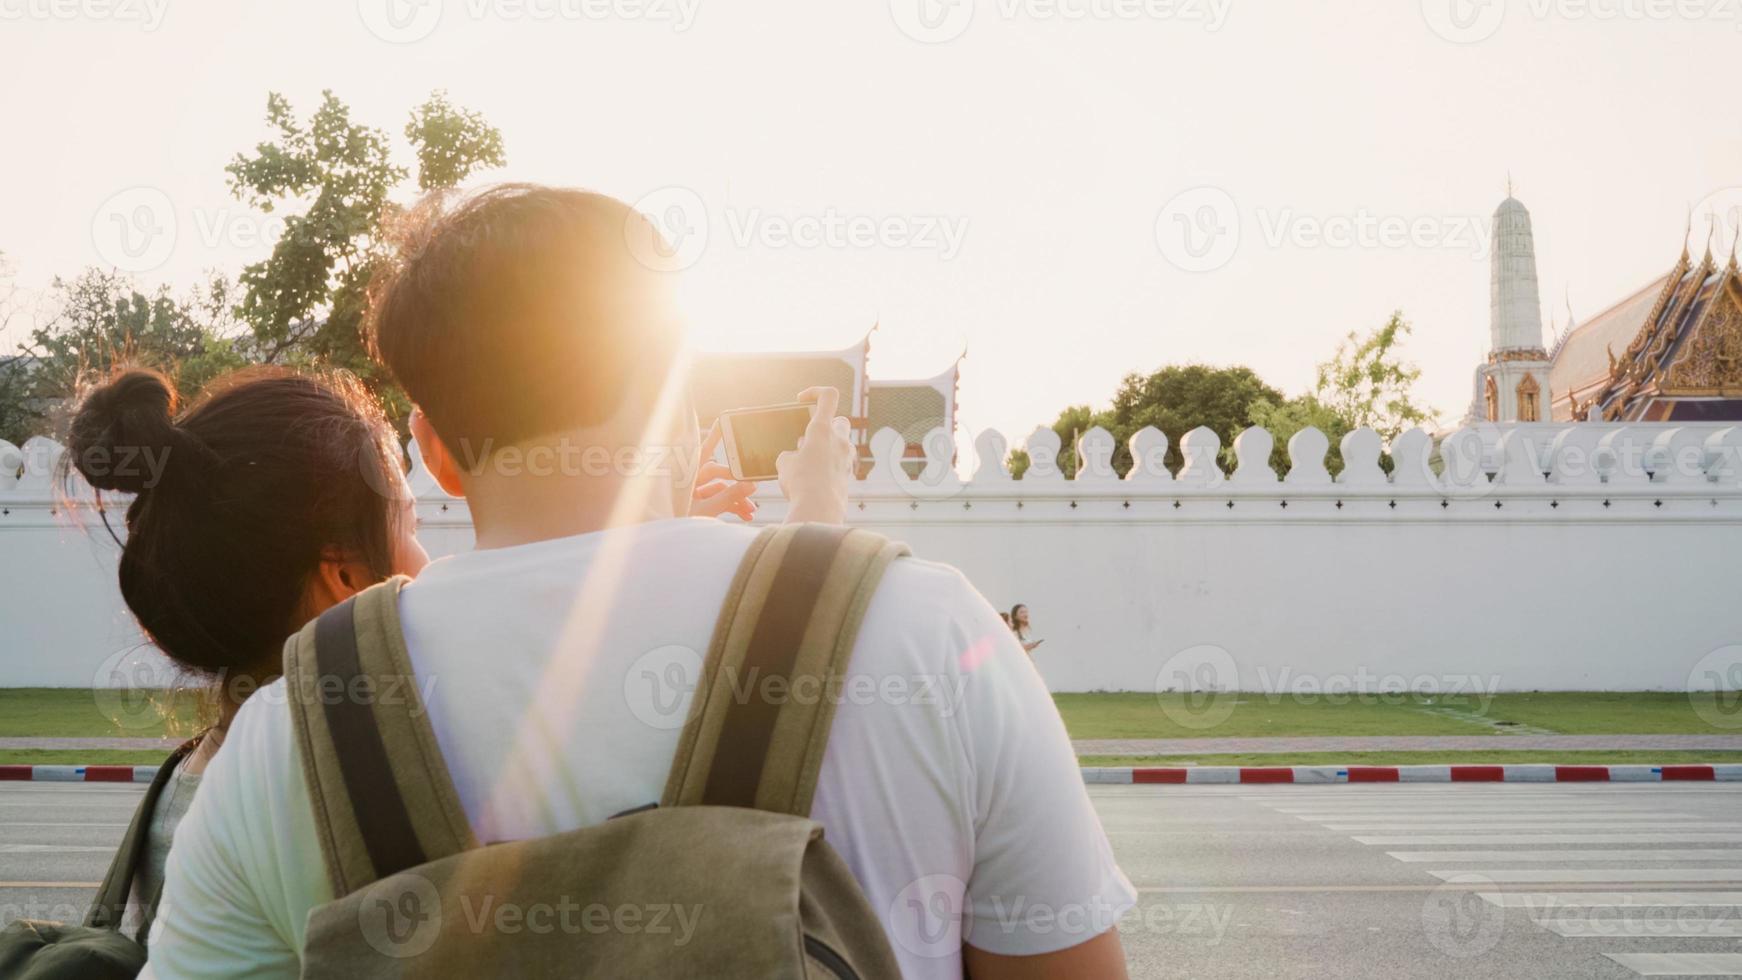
pixel 1545 557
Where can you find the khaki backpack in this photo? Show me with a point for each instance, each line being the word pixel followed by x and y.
pixel 726 877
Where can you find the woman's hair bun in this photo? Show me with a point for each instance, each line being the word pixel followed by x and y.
pixel 124 436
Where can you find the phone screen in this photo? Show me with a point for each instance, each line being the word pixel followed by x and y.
pixel 759 436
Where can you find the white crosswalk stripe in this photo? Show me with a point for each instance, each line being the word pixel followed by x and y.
pixel 1436 857
pixel 1681 964
pixel 1645 928
pixel 1583 824
pixel 1443 840
pixel 1538 901
pixel 1604 874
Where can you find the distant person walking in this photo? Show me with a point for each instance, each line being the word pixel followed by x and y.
pixel 1019 625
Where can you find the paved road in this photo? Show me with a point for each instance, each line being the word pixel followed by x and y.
pixel 1380 882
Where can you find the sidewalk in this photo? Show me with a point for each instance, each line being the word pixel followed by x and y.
pixel 112 744
pixel 1402 743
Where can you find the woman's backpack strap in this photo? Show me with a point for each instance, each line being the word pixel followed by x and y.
pixel 110 907
pixel 773 676
pixel 383 799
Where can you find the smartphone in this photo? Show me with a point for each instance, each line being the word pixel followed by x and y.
pixel 755 437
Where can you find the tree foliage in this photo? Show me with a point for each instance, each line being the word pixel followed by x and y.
pixel 306 301
pixel 1365 383
pixel 20 415
pixel 100 319
pixel 331 179
pixel 1175 399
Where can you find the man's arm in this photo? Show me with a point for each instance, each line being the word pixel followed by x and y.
pixel 1045 891
pixel 1101 958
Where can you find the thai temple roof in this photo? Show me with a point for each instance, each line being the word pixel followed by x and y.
pixel 913 408
pixel 1673 350
pixel 1581 362
pixel 723 381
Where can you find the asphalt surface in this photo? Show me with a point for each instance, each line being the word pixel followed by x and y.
pixel 1382 881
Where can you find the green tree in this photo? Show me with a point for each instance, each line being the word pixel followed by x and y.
pixel 20 415
pixel 101 319
pixel 306 301
pixel 1176 400
pixel 1365 383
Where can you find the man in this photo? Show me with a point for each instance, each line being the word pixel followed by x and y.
pixel 532 328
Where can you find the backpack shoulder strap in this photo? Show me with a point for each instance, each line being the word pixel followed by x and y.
pixel 383 799
pixel 117 888
pixel 766 698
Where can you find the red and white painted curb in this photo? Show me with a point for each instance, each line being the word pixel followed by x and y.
pixel 1729 772
pixel 78 774
pixel 1724 772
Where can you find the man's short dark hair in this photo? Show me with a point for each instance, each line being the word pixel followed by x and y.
pixel 521 311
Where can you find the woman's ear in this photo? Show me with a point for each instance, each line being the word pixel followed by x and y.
pixel 436 457
pixel 336 579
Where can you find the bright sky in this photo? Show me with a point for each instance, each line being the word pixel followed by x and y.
pixel 1002 176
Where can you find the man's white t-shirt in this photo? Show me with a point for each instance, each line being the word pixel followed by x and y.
pixel 557 677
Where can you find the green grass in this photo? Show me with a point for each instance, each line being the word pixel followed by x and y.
pixel 1504 757
pixel 80 757
pixel 63 713
pixel 1262 716
pixel 58 712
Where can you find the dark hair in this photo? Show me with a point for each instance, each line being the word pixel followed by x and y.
pixel 237 502
pixel 521 312
pixel 1014 625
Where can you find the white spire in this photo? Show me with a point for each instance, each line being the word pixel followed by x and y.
pixel 1515 311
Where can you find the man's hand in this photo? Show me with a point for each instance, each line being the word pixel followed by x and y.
pixel 715 492
pixel 817 476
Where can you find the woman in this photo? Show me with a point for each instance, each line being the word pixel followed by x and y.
pixel 275 496
pixel 1019 626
